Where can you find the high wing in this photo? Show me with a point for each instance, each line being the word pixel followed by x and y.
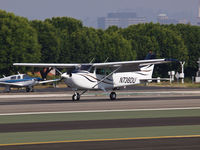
pixel 136 63
pixel 131 63
pixel 46 65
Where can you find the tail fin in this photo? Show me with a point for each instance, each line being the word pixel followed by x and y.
pixel 147 71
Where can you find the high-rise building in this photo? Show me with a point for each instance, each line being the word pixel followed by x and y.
pixel 120 19
pixel 198 17
pixel 164 19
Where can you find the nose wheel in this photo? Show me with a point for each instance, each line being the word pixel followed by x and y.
pixel 76 97
pixel 113 96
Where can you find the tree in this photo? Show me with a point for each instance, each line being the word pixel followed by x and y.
pixel 191 37
pixel 49 42
pixel 65 27
pixel 18 42
pixel 160 39
pixel 65 23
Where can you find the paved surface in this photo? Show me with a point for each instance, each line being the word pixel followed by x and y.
pixel 150 144
pixel 153 98
pixel 136 88
pixel 98 124
pixel 125 101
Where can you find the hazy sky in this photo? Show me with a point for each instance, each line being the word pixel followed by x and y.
pixel 89 10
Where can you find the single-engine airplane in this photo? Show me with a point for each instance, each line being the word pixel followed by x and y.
pixel 104 76
pixel 22 80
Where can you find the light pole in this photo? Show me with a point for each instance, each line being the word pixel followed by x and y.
pixel 182 71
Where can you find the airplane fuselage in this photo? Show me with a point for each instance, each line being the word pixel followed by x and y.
pixel 92 81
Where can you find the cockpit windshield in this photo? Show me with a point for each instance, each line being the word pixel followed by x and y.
pixel 83 68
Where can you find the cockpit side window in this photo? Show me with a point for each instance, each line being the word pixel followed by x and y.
pixel 103 71
pixel 100 71
pixel 13 78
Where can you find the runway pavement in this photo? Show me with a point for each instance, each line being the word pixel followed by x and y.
pixel 59 101
pixel 146 144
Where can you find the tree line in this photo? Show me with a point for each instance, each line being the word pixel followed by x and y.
pixel 66 40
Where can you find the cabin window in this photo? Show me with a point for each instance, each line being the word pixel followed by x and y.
pixel 13 78
pixel 18 77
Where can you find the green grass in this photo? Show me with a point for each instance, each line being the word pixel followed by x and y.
pixel 22 137
pixel 97 116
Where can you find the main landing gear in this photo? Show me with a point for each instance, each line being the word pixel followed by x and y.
pixel 76 96
pixel 29 89
pixel 113 96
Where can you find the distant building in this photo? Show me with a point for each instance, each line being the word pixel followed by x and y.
pixel 183 21
pixel 164 19
pixel 120 19
pixel 198 17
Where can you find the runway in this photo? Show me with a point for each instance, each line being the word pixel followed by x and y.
pixel 147 144
pixel 162 112
pixel 91 102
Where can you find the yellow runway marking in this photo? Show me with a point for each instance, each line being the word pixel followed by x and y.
pixel 100 140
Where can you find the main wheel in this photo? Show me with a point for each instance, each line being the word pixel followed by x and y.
pixel 76 97
pixel 113 95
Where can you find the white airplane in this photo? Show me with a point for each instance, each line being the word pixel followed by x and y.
pixel 104 76
pixel 22 80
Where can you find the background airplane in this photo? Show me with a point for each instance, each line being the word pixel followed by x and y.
pixel 22 80
pixel 104 76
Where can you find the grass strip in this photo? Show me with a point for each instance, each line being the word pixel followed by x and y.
pixel 46 136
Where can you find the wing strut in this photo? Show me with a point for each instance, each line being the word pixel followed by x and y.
pixel 106 77
pixel 102 80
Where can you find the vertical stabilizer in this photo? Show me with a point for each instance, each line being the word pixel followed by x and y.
pixel 147 71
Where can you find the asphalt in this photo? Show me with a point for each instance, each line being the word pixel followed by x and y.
pixel 67 100
pixel 135 88
pixel 98 124
pixel 150 144
pixel 53 104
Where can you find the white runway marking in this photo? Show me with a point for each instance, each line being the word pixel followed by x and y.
pixel 36 96
pixel 90 111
